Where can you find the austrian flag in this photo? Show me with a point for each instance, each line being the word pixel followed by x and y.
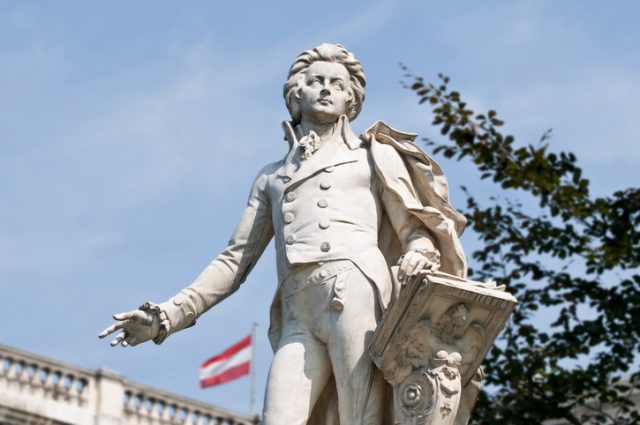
pixel 232 364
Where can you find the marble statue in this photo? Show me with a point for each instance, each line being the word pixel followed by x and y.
pixel 354 219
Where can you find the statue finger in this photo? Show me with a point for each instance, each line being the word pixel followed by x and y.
pixel 414 261
pixel 407 261
pixel 117 340
pixel 111 329
pixel 130 340
pixel 124 316
pixel 144 317
pixel 403 267
pixel 414 266
pixel 422 264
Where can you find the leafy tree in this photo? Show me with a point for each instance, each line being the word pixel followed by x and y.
pixel 572 256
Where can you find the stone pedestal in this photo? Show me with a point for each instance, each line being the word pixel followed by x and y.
pixel 431 342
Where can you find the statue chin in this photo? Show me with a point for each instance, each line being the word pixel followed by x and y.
pixel 322 117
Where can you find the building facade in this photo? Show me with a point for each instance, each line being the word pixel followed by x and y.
pixel 36 390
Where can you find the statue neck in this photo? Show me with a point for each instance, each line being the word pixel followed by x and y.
pixel 324 131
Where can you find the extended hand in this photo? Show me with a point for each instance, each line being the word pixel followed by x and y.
pixel 413 262
pixel 137 326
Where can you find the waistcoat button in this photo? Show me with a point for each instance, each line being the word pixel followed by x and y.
pixel 290 240
pixel 322 203
pixel 291 196
pixel 288 217
pixel 325 247
pixel 324 224
pixel 337 304
pixel 325 185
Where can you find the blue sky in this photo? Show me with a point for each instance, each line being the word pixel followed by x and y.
pixel 130 133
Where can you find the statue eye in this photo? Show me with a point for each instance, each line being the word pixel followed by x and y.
pixel 338 85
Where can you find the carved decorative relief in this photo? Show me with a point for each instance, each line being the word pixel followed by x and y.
pixel 431 343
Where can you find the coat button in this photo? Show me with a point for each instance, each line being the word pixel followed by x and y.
pixel 291 239
pixel 324 224
pixel 330 169
pixel 291 196
pixel 325 247
pixel 288 218
pixel 322 203
pixel 337 304
pixel 324 273
pixel 325 185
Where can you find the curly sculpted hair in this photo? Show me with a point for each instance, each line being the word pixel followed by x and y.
pixel 326 53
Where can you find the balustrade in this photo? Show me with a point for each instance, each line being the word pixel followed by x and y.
pixel 38 376
pixel 81 393
pixel 143 405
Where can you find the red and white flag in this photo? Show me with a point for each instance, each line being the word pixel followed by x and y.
pixel 232 364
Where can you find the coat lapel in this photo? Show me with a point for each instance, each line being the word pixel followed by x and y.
pixel 337 151
pixel 334 152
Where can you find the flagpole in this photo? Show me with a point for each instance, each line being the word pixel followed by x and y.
pixel 254 331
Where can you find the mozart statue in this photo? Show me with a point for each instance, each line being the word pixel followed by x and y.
pixel 343 210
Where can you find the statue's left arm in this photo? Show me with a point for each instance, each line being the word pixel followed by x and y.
pixel 419 251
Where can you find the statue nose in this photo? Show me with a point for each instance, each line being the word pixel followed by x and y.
pixel 325 91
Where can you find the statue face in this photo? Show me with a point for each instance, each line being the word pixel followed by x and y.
pixel 325 92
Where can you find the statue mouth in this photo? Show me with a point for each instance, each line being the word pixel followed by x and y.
pixel 325 101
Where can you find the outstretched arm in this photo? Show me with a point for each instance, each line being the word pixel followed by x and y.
pixel 217 281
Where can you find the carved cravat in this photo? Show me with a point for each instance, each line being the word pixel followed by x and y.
pixel 309 144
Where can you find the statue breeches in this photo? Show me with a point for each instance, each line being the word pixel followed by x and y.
pixel 329 314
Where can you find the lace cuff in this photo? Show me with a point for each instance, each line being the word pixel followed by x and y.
pixel 155 309
pixel 431 255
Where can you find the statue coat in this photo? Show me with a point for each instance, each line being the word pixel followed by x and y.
pixel 367 200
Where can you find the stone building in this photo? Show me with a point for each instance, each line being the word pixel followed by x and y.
pixel 36 390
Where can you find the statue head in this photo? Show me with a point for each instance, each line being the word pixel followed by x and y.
pixel 332 54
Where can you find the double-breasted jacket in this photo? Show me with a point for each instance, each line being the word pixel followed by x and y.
pixel 334 205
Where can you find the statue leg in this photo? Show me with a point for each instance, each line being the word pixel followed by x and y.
pixel 300 369
pixel 358 381
pixel 299 372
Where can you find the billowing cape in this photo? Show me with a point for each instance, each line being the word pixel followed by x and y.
pixel 421 185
